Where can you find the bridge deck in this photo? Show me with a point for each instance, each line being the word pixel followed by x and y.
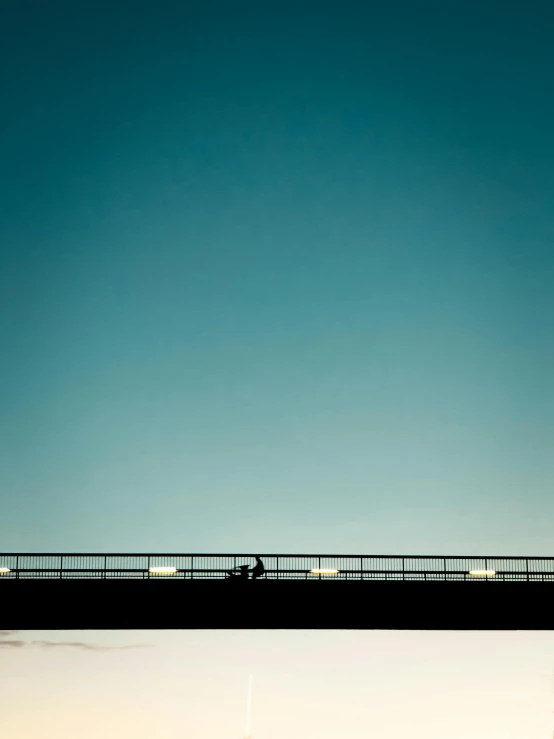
pixel 77 591
pixel 204 604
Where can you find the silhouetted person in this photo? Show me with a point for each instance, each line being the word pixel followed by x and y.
pixel 242 574
pixel 258 569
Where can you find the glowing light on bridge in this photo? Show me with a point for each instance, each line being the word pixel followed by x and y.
pixel 482 573
pixel 163 570
pixel 318 571
pixel 4 570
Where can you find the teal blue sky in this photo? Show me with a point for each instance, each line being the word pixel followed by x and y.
pixel 277 276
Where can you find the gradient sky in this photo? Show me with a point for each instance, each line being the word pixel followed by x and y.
pixel 277 276
pixel 315 685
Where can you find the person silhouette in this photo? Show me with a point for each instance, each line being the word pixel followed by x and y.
pixel 258 570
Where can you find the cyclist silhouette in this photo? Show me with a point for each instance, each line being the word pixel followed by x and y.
pixel 258 570
pixel 242 574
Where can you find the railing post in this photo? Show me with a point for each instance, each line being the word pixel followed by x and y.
pixel 17 567
pixel 192 568
pixel 148 567
pixel 403 569
pixel 105 567
pixel 277 568
pixel 527 568
pixel 444 567
pixel 61 566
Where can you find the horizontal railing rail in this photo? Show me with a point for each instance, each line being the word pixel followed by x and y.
pixel 277 567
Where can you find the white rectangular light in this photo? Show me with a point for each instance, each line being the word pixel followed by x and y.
pixel 4 570
pixel 482 573
pixel 162 570
pixel 324 572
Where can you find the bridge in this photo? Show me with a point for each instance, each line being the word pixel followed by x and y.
pixel 194 591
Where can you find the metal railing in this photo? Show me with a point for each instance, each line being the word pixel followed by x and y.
pixel 277 567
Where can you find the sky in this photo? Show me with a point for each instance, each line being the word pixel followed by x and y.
pixel 347 684
pixel 277 277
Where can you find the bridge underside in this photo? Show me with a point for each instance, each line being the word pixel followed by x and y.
pixel 161 604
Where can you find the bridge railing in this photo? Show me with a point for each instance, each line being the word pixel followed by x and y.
pixel 277 567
